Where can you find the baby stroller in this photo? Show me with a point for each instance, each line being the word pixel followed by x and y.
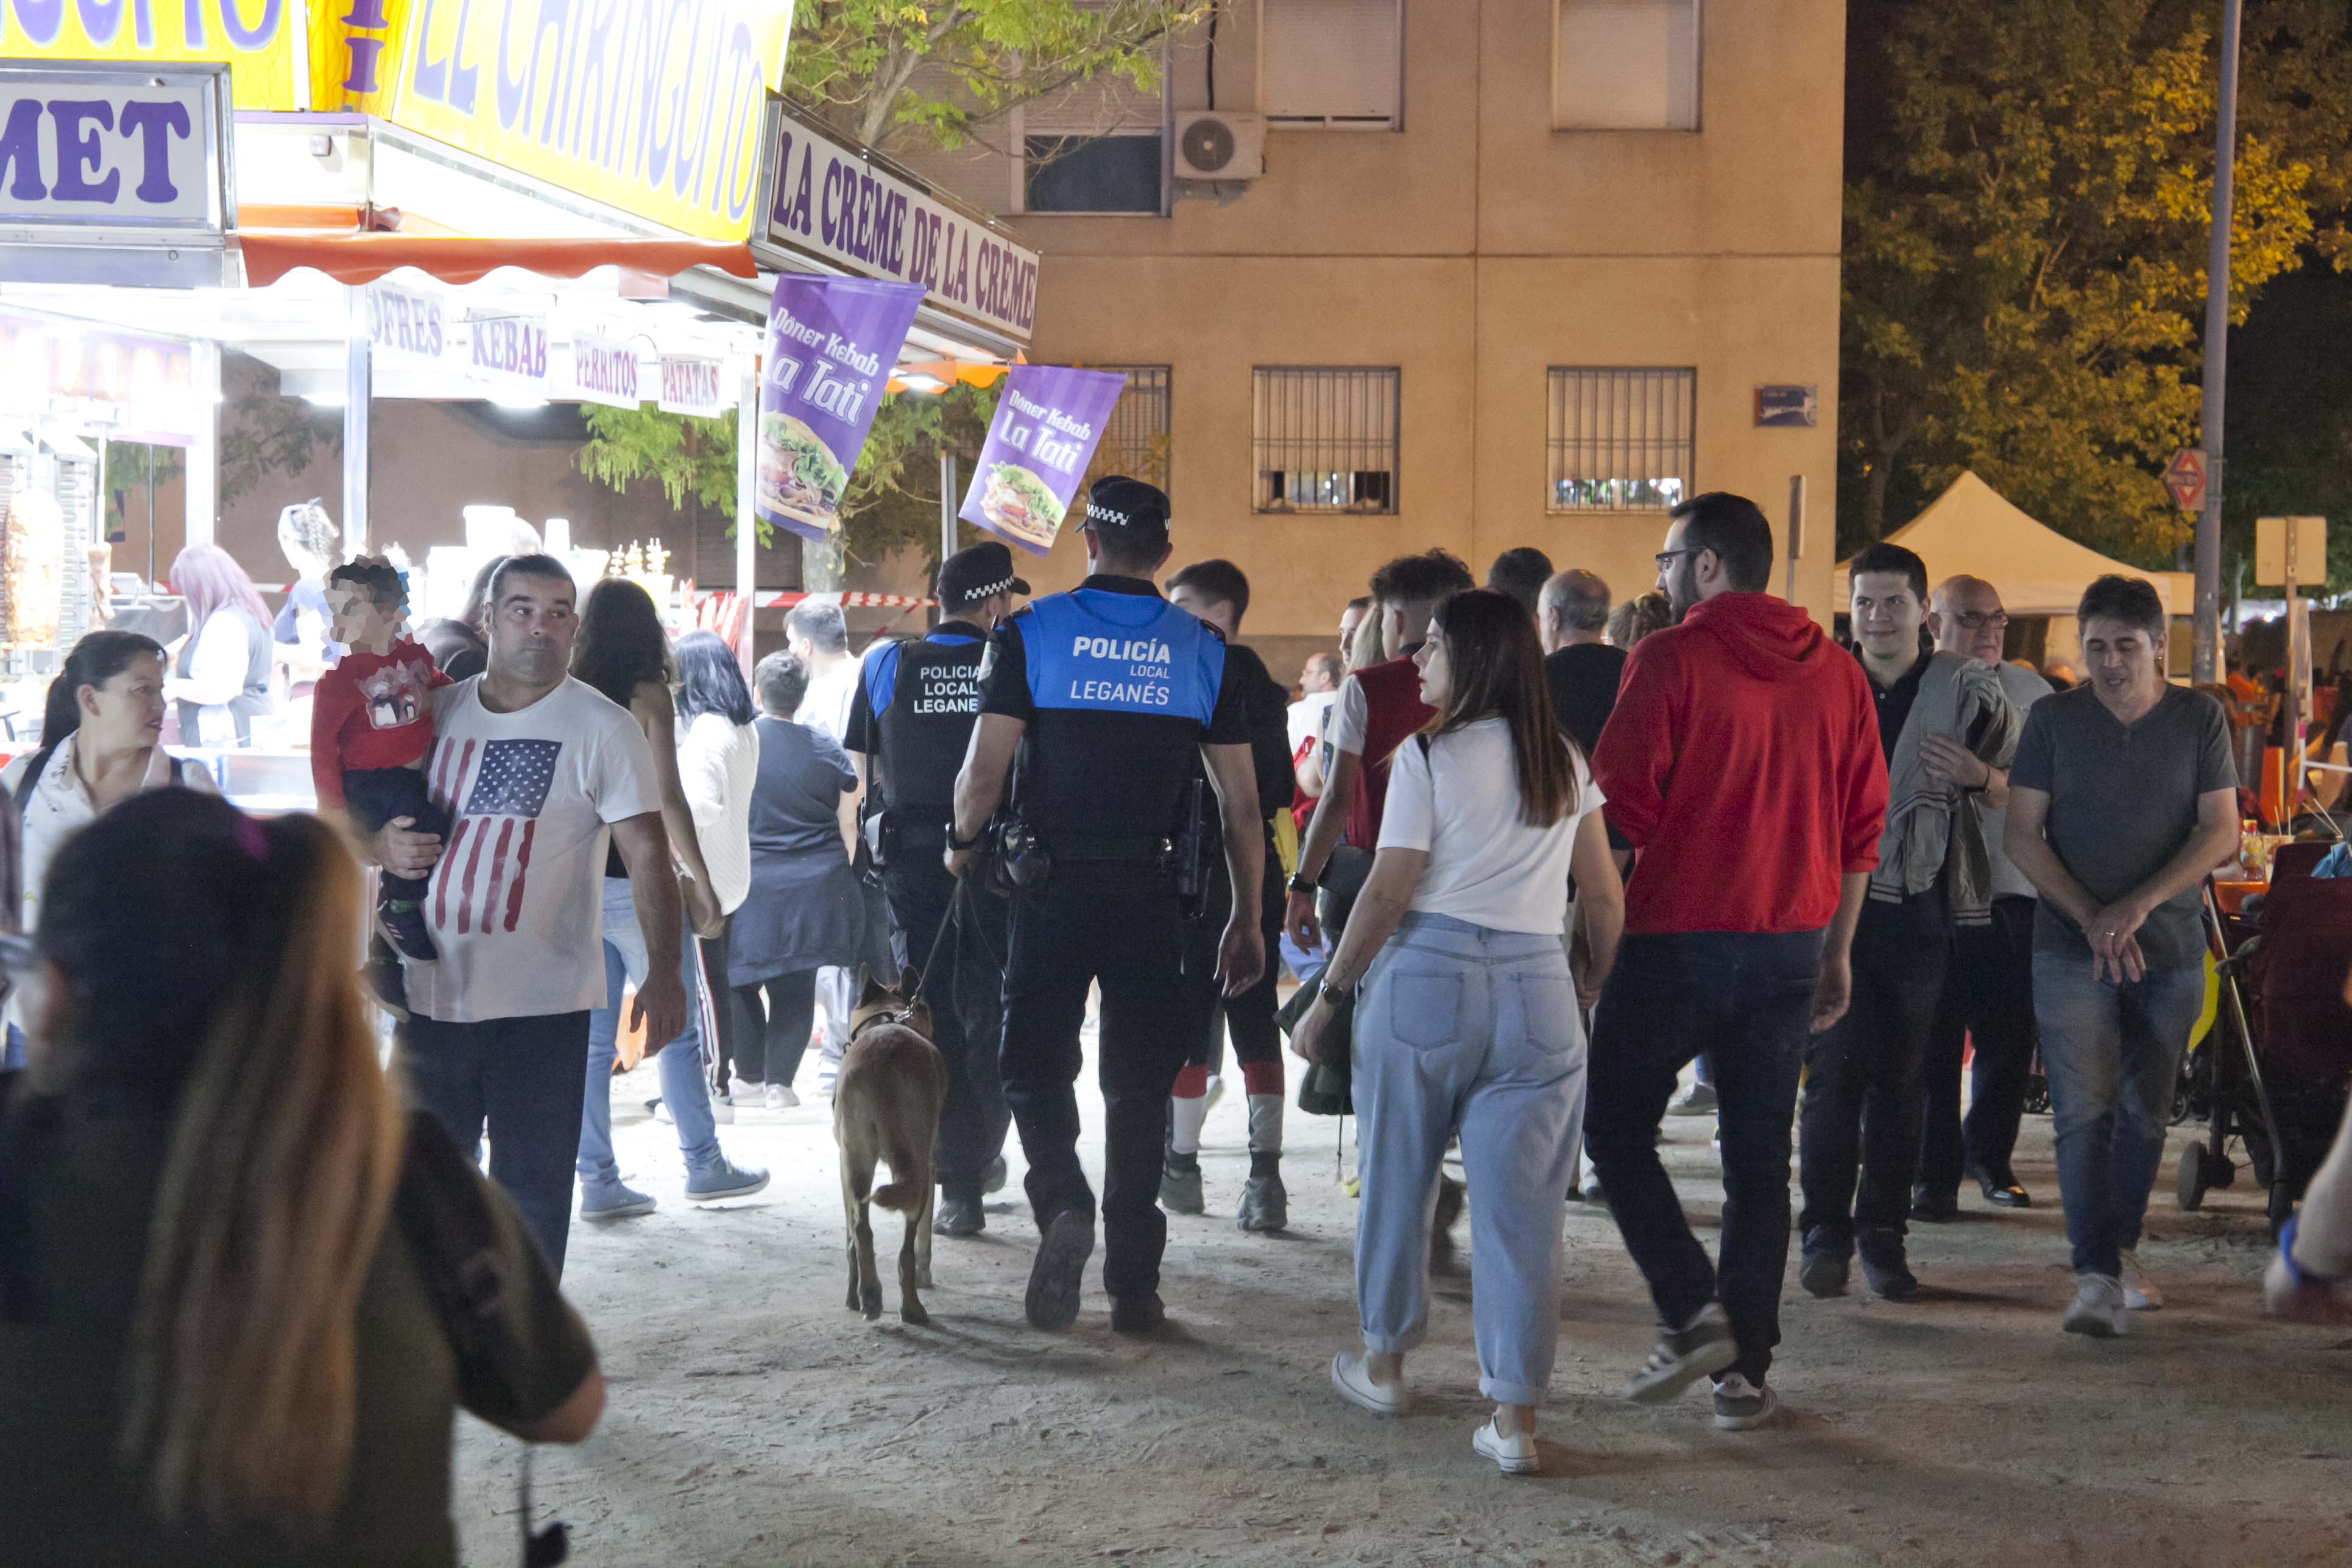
pixel 2276 1070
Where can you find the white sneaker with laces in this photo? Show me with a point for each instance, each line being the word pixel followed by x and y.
pixel 1514 1456
pixel 2098 1308
pixel 1355 1385
pixel 2141 1293
pixel 780 1097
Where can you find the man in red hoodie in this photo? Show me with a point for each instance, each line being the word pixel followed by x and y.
pixel 1742 762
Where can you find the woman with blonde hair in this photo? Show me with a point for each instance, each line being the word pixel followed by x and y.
pixel 1465 1013
pixel 219 1343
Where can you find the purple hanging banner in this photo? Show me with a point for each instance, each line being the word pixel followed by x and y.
pixel 1048 420
pixel 832 342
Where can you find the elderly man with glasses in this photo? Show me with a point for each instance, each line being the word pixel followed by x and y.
pixel 1989 988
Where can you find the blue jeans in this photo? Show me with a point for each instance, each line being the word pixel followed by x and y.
pixel 1744 999
pixel 2111 1054
pixel 13 1057
pixel 1463 1029
pixel 679 1063
pixel 521 1076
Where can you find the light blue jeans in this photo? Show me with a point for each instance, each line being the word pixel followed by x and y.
pixel 1464 1029
pixel 680 1064
pixel 2111 1054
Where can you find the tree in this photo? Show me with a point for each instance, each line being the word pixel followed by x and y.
pixel 892 501
pixel 899 74
pixel 266 434
pixel 134 465
pixel 2026 208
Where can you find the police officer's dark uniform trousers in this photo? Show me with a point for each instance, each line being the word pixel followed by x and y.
pixel 914 708
pixel 1118 689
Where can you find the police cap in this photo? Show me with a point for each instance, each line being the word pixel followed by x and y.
pixel 980 573
pixel 1128 509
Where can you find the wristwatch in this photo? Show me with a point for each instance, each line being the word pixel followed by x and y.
pixel 2304 1278
pixel 1333 994
pixel 1299 883
pixel 959 846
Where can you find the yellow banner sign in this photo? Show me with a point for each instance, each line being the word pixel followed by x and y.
pixel 650 106
pixel 260 40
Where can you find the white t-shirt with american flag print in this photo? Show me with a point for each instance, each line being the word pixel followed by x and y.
pixel 516 905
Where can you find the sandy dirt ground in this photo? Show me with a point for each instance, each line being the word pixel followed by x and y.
pixel 754 1420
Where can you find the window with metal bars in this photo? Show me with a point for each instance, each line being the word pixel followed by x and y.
pixel 1135 439
pixel 1324 439
pixel 1620 438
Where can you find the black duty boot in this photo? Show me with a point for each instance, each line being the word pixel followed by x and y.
pixel 959 1214
pixel 1883 1266
pixel 1136 1314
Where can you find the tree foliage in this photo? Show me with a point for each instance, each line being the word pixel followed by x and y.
pixel 266 434
pixel 902 75
pixel 2026 210
pixel 893 499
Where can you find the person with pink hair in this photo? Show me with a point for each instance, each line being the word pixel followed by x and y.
pixel 220 679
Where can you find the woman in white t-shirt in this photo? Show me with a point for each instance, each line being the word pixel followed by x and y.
pixel 1468 1020
pixel 102 743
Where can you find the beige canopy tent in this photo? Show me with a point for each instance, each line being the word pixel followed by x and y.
pixel 1970 530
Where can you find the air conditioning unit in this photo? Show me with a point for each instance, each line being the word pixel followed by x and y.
pixel 1215 145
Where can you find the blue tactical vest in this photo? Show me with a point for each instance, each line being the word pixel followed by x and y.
pixel 1090 651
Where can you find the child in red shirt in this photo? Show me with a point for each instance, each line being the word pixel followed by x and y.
pixel 371 726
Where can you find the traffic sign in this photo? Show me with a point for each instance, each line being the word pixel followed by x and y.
pixel 2185 478
pixel 2293 547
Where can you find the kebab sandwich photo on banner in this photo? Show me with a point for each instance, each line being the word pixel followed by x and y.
pixel 1048 422
pixel 832 342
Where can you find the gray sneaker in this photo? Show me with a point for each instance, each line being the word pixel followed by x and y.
pixel 2098 1308
pixel 1742 1405
pixel 1264 1206
pixel 1698 1099
pixel 992 1179
pixel 1180 1185
pixel 723 1180
pixel 1700 1349
pixel 618 1201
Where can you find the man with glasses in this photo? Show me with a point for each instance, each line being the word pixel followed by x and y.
pixel 1989 989
pixel 1742 764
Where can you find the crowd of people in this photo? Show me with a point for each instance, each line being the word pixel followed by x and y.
pixel 1546 851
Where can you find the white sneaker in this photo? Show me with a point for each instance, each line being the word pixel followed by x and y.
pixel 2140 1292
pixel 1514 1456
pixel 780 1097
pixel 2098 1308
pixel 1355 1386
pixel 722 1109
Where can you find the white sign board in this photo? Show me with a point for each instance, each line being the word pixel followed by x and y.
pixel 696 386
pixel 407 323
pixel 115 173
pixel 508 352
pixel 604 370
pixel 2307 536
pixel 827 201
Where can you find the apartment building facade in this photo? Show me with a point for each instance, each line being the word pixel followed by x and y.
pixel 1389 273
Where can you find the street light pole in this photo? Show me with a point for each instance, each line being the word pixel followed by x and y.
pixel 2206 665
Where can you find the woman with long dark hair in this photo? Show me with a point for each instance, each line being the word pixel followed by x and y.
pixel 221 679
pixel 1465 1012
pixel 219 1343
pixel 623 652
pixel 102 743
pixel 718 766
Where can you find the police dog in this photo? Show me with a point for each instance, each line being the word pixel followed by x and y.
pixel 886 1108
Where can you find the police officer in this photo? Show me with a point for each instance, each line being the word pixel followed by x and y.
pixel 1093 705
pixel 910 722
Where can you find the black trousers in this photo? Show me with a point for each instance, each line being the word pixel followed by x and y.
pixel 1743 998
pixel 966 998
pixel 374 796
pixel 1117 925
pixel 1987 997
pixel 1858 1131
pixel 1258 1036
pixel 772 1020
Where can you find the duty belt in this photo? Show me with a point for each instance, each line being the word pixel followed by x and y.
pixel 1083 849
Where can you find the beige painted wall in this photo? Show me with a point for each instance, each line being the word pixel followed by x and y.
pixel 1473 249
